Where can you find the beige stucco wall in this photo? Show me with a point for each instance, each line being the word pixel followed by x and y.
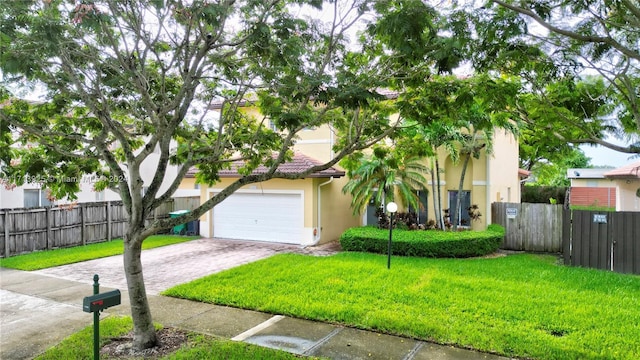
pixel 592 183
pixel 626 195
pixel 502 171
pixel 336 214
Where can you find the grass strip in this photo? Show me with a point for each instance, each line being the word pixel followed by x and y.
pixel 79 346
pixel 521 305
pixel 56 257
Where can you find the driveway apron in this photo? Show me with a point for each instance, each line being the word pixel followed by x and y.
pixel 168 266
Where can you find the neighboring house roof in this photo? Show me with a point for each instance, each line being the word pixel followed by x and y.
pixel 631 171
pixel 597 173
pixel 523 173
pixel 299 163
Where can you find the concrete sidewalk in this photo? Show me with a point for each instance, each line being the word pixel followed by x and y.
pixel 39 309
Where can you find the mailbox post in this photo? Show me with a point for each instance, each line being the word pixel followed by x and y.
pixel 96 303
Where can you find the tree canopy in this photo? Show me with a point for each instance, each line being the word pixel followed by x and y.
pixel 124 82
pixel 577 37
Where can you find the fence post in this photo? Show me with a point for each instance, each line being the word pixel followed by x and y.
pixel 48 234
pixel 6 234
pixel 84 241
pixel 566 235
pixel 108 208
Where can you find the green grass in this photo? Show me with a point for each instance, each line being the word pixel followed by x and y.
pixel 50 258
pixel 520 305
pixel 592 208
pixel 80 345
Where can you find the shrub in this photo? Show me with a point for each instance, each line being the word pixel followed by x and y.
pixel 542 194
pixel 432 243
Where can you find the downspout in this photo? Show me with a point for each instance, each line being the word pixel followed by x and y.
pixel 319 222
pixel 488 191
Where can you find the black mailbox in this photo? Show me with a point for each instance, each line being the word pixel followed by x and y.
pixel 102 301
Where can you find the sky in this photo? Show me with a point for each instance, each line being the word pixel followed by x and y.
pixel 601 156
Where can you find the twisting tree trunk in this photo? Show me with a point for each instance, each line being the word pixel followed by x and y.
pixel 434 192
pixel 439 210
pixel 144 332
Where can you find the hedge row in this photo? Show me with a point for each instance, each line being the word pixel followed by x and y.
pixel 542 194
pixel 430 243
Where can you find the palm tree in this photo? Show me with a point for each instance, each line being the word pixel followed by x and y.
pixel 440 135
pixel 383 175
pixel 488 110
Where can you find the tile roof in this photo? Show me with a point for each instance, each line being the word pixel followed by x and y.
pixel 524 173
pixel 630 171
pixel 299 163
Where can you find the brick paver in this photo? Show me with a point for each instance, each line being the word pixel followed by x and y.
pixel 167 266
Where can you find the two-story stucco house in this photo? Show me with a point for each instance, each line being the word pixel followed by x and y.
pixel 314 210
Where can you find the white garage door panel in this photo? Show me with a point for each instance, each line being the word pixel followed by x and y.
pixel 264 217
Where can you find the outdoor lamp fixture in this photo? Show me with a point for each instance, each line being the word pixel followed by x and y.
pixel 391 208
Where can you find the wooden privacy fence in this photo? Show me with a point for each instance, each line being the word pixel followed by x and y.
pixel 530 227
pixel 603 240
pixel 27 230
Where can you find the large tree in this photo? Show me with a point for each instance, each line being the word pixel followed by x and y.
pixel 562 110
pixel 595 35
pixel 122 80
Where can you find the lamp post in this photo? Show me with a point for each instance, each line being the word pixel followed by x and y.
pixel 391 208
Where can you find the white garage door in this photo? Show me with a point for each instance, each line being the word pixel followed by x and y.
pixel 263 217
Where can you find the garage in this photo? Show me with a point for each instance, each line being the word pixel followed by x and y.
pixel 264 216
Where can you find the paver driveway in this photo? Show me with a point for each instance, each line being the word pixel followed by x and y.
pixel 40 308
pixel 167 266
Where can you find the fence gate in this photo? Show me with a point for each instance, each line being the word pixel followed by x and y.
pixel 602 240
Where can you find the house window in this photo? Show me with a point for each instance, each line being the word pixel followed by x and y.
pixel 421 212
pixel 592 183
pixel 463 214
pixel 36 198
pixel 372 208
pixel 100 195
pixel 196 186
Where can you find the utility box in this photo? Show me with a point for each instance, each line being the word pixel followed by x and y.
pixel 102 301
pixel 193 227
pixel 181 228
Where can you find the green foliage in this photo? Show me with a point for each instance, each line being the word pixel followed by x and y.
pixel 108 106
pixel 56 257
pixel 521 306
pixel 555 174
pixel 383 176
pixel 542 194
pixel 595 35
pixel 550 117
pixel 592 208
pixel 429 243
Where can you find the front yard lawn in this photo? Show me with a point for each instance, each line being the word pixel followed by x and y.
pixel 56 257
pixel 518 305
